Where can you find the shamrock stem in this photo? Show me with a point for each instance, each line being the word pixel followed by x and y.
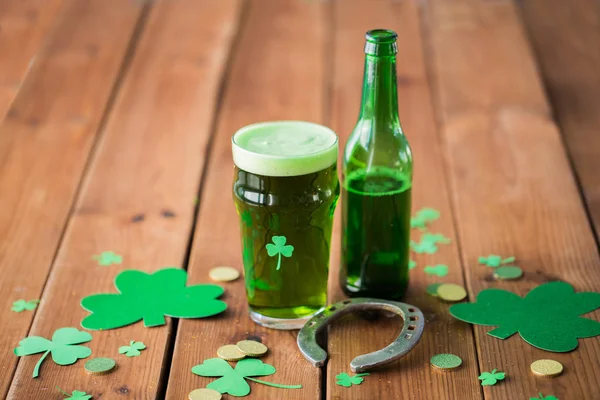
pixel 277 385
pixel 63 392
pixel 365 374
pixel 36 370
pixel 279 262
pixel 503 332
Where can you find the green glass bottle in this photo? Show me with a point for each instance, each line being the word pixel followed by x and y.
pixel 377 180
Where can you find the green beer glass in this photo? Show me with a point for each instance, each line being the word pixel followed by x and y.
pixel 285 191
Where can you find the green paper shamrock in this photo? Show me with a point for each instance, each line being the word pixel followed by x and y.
pixel 346 380
pixel 542 397
pixel 22 305
pixel 61 347
pixel 423 217
pixel 107 258
pixel 439 270
pixel 133 350
pixel 411 264
pixel 151 297
pixel 279 248
pixel 233 381
pixel 547 318
pixel 490 378
pixel 75 395
pixel 423 247
pixel 494 260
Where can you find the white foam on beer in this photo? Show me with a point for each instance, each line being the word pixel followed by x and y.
pixel 284 148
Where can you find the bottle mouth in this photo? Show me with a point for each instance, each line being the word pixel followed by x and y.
pixel 381 42
pixel 381 36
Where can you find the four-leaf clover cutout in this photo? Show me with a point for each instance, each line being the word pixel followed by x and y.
pixel 151 297
pixel 61 346
pixel 279 248
pixel 22 305
pixel 75 395
pixel 107 258
pixel 346 380
pixel 490 378
pixel 133 350
pixel 548 317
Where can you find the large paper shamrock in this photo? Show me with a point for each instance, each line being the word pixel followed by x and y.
pixel 279 248
pixel 490 378
pixel 61 347
pixel 75 395
pixel 346 380
pixel 233 381
pixel 548 317
pixel 150 297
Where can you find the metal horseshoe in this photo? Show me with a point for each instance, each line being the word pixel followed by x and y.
pixel 414 323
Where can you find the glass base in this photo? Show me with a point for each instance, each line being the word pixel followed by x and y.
pixel 280 323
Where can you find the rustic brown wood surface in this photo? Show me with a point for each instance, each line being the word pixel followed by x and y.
pixel 569 64
pixel 115 126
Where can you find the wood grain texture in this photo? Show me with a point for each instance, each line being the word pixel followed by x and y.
pixel 45 141
pixel 411 377
pixel 565 35
pixel 138 197
pixel 277 73
pixel 513 188
pixel 24 25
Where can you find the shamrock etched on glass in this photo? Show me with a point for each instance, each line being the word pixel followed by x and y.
pixel 279 248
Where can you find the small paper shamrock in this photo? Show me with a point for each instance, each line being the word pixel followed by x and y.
pixel 151 297
pixel 423 217
pixel 107 258
pixel 428 243
pixel 412 264
pixel 61 347
pixel 435 238
pixel 439 270
pixel 494 260
pixel 75 395
pixel 133 350
pixel 490 378
pixel 542 397
pixel 548 317
pixel 346 380
pixel 22 305
pixel 279 248
pixel 233 381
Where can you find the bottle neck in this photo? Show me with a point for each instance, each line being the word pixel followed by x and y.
pixel 380 95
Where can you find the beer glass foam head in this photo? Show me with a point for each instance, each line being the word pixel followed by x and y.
pixel 284 148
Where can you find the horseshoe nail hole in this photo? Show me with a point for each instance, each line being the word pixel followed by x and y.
pixel 332 308
pixel 347 302
pixel 408 336
pixel 412 327
pixel 312 323
pixel 411 310
pixel 414 318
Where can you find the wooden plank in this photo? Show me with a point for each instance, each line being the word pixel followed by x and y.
pixel 23 26
pixel 138 198
pixel 45 141
pixel 513 189
pixel 565 35
pixel 412 377
pixel 278 73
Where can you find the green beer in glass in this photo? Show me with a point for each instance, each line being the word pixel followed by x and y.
pixel 285 191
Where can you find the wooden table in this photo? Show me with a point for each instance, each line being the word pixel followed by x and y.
pixel 115 135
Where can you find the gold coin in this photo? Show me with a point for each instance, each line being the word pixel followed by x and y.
pixel 546 368
pixel 224 274
pixel 99 366
pixel 451 292
pixel 252 348
pixel 230 352
pixel 445 362
pixel 204 394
